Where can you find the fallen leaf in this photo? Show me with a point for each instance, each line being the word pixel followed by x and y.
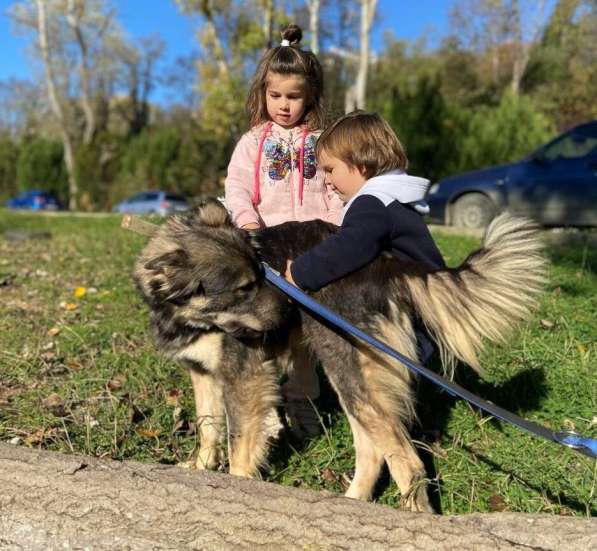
pixel 172 396
pixel 74 365
pixel 546 324
pixel 117 381
pixel 148 433
pixel 69 306
pixel 497 503
pixel 329 475
pixel 52 332
pixel 581 349
pixel 79 292
pixel 51 401
pixel 39 436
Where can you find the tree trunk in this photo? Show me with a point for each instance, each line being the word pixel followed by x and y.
pixel 211 37
pixel 69 157
pixel 314 7
pixel 54 501
pixel 367 14
pixel 268 22
pixel 523 51
pixel 73 17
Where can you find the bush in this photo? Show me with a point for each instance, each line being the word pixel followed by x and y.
pixel 9 153
pixel 500 134
pixel 40 165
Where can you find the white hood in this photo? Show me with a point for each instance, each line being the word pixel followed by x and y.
pixel 395 185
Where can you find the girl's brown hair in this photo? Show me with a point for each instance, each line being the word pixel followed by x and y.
pixel 289 60
pixel 363 140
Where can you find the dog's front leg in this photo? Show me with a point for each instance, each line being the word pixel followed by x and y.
pixel 251 401
pixel 211 420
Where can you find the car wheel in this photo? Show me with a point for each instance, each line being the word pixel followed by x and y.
pixel 473 210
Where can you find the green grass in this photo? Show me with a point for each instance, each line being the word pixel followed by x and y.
pixel 81 374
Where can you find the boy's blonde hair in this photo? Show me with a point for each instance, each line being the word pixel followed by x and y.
pixel 363 140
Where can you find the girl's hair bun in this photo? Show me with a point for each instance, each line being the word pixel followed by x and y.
pixel 292 33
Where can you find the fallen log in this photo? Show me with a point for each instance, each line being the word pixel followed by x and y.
pixel 54 501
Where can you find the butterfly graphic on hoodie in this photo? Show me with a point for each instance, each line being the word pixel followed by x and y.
pixel 280 161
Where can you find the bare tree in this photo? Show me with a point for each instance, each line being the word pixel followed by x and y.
pixel 57 108
pixel 356 95
pixel 314 10
pixel 23 107
pixel 524 37
pixel 268 21
pixel 503 30
pixel 138 79
pixel 71 38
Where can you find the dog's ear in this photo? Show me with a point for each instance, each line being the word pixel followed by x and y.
pixel 168 262
pixel 212 213
pixel 172 277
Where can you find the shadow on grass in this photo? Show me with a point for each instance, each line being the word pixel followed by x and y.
pixel 559 499
pixel 522 392
pixel 575 251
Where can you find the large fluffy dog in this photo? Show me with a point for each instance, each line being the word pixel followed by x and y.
pixel 212 310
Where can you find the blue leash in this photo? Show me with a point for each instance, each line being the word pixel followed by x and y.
pixel 586 446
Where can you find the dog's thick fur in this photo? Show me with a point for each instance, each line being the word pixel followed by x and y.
pixel 212 310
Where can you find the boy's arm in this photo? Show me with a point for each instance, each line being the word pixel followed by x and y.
pixel 239 183
pixel 358 242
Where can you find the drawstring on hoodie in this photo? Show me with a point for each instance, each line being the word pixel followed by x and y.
pixel 256 195
pixel 302 164
pixel 256 180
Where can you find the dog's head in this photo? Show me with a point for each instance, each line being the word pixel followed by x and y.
pixel 201 272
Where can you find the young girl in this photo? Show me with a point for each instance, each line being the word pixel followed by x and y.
pixel 273 176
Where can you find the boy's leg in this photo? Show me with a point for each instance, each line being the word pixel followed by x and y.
pixel 301 389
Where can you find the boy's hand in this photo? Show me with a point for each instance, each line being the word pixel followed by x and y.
pixel 288 273
pixel 251 226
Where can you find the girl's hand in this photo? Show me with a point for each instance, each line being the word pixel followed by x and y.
pixel 250 226
pixel 288 273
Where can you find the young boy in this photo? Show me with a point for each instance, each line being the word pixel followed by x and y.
pixel 365 164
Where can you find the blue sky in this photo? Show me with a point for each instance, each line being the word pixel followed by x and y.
pixel 139 18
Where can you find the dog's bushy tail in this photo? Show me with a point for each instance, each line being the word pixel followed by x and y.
pixel 492 290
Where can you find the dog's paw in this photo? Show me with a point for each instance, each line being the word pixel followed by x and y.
pixel 272 425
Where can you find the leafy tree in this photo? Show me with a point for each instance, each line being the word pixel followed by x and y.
pixel 494 135
pixel 421 118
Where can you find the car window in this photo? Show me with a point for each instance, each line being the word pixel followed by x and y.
pixel 572 146
pixel 151 197
pixel 174 197
pixel 137 198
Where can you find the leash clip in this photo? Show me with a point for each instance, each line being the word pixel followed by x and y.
pixel 268 267
pixel 578 442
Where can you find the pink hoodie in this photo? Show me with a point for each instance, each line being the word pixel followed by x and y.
pixel 277 196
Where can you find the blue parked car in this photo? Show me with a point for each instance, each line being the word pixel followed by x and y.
pixel 163 203
pixel 34 199
pixel 556 185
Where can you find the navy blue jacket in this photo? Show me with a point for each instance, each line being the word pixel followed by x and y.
pixel 368 228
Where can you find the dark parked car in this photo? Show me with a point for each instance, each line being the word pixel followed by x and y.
pixel 34 199
pixel 153 202
pixel 556 185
